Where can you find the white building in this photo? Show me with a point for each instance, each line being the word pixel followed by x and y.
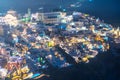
pixel 2 21
pixel 11 20
pixel 53 17
pixel 12 12
pixel 38 16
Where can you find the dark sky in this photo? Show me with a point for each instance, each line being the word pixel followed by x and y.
pixel 22 5
pixel 105 5
pixel 105 9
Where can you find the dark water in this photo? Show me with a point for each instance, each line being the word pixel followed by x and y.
pixel 103 67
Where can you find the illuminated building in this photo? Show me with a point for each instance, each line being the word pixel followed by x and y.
pixel 12 12
pixel 38 16
pixel 27 16
pixel 11 65
pixel 29 12
pixel 11 18
pixel 1 30
pixel 2 20
pixel 53 17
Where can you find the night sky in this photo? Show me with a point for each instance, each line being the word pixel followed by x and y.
pixel 108 10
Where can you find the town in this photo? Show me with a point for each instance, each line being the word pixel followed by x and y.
pixel 32 43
